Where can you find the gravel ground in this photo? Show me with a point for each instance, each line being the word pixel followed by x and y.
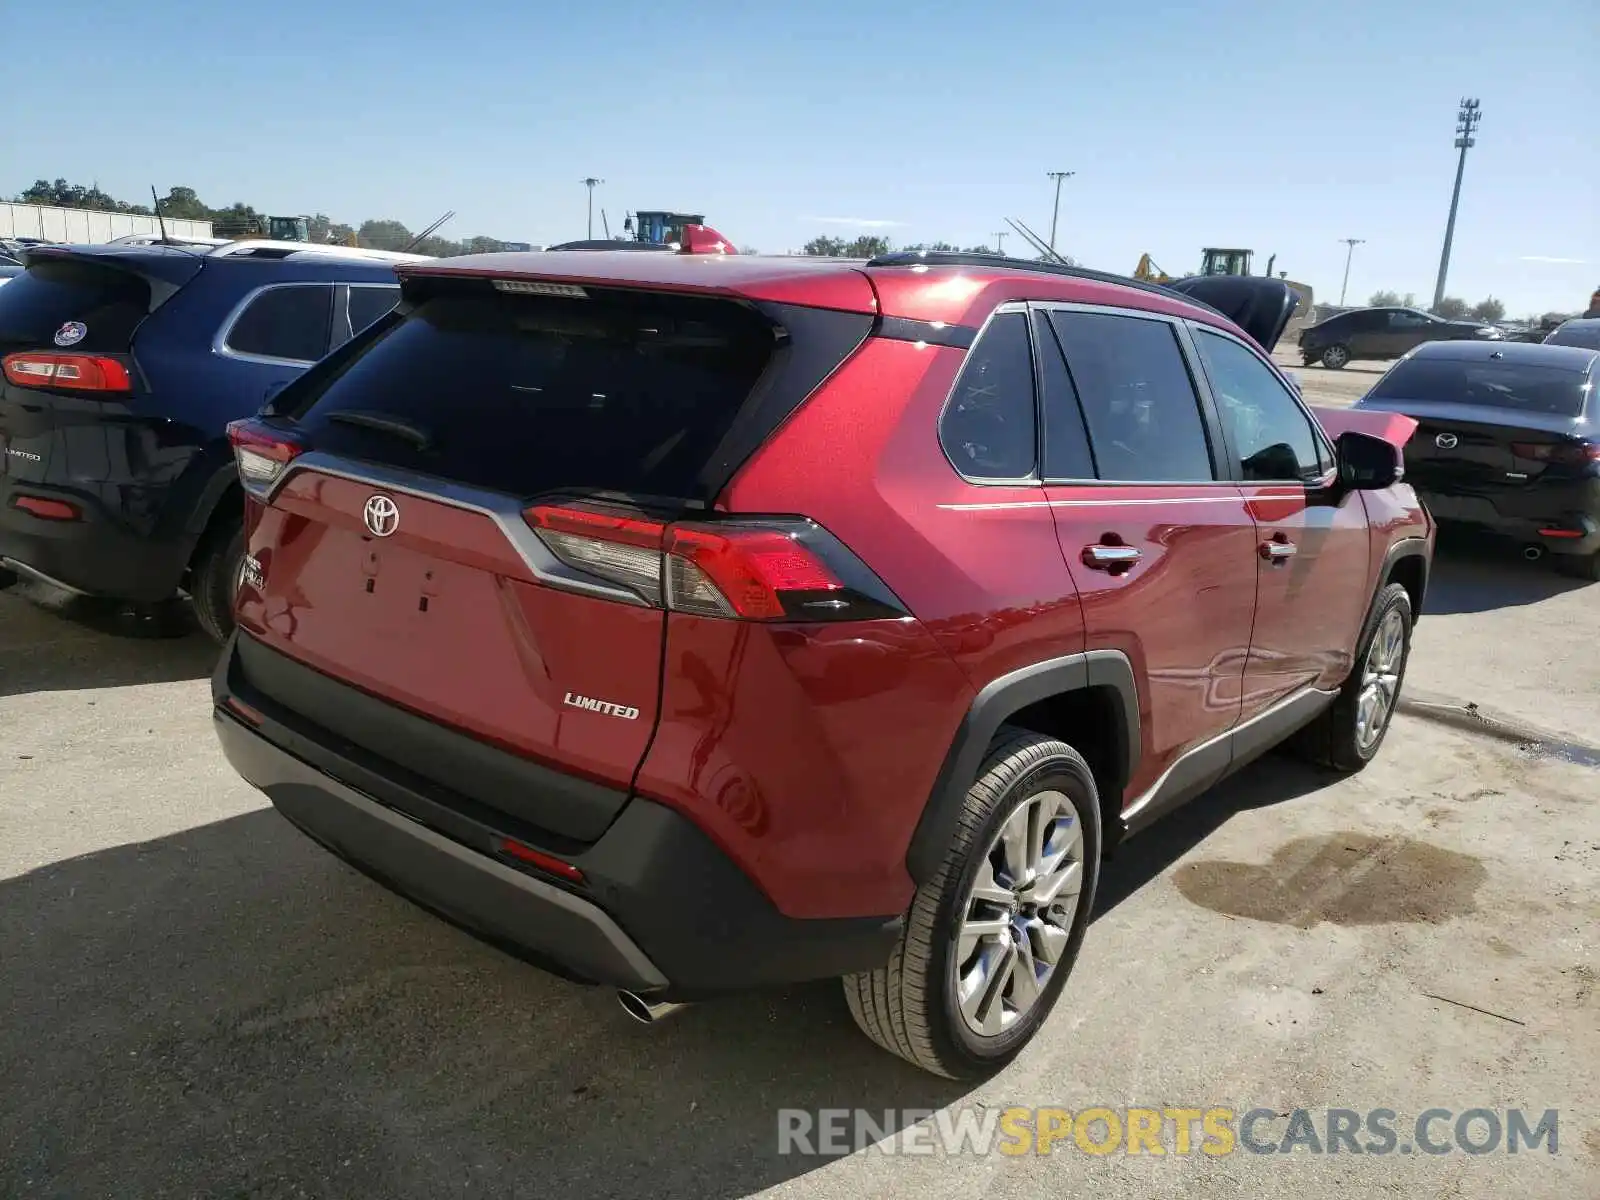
pixel 196 1001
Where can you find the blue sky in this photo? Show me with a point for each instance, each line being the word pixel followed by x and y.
pixel 1217 122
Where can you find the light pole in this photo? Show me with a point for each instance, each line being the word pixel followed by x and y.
pixel 590 184
pixel 1351 244
pixel 1467 118
pixel 1000 243
pixel 1055 213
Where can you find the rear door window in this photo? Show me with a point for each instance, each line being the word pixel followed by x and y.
pixel 1066 437
pixel 368 302
pixel 1272 436
pixel 1138 399
pixel 108 304
pixel 289 323
pixel 523 394
pixel 989 428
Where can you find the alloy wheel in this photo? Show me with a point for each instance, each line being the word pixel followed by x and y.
pixel 1018 915
pixel 1380 679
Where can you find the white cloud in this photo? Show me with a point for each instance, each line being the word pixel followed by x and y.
pixel 858 222
pixel 1550 258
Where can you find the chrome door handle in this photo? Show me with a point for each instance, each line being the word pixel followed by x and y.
pixel 1101 555
pixel 1277 551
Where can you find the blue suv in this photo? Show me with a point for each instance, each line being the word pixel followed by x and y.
pixel 122 367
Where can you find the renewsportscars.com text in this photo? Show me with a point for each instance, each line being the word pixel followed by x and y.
pixel 1167 1130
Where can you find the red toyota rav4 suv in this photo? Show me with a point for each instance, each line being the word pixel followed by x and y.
pixel 691 623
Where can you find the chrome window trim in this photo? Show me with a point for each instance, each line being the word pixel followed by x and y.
pixel 219 343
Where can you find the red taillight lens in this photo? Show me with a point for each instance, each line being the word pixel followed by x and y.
pixel 761 571
pixel 261 452
pixel 1574 453
pixel 741 572
pixel 71 372
pixel 46 509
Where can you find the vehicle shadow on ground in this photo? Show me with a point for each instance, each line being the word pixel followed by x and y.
pixel 1482 574
pixel 230 1011
pixel 1275 778
pixel 51 641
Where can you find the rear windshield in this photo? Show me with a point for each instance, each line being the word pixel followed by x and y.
pixel 1576 333
pixel 1522 387
pixel 109 304
pixel 523 394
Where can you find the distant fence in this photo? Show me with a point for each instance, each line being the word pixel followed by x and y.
pixel 82 225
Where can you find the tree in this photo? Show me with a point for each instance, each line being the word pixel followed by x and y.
pixel 383 235
pixel 824 247
pixel 181 204
pixel 1451 308
pixel 1489 309
pixel 867 247
pixel 1383 300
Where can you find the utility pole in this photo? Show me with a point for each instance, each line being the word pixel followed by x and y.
pixel 1467 118
pixel 590 184
pixel 1055 214
pixel 999 243
pixel 1351 244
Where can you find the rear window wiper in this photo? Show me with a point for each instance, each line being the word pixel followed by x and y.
pixel 385 423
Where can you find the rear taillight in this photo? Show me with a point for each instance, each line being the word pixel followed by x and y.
pixel 262 452
pixel 69 372
pixel 1572 454
pixel 753 569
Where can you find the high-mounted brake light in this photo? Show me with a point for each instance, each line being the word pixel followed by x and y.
pixel 262 453
pixel 535 287
pixel 72 372
pixel 753 569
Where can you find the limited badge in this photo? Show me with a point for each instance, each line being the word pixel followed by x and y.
pixel 71 333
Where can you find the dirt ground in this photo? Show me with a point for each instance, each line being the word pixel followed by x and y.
pixel 196 1001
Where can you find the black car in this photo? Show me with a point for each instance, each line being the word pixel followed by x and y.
pixel 1508 440
pixel 1383 333
pixel 1580 331
pixel 120 369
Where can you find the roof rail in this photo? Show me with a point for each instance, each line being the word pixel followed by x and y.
pixel 268 248
pixel 950 258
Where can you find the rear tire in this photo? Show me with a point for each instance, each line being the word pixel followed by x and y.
pixel 1336 357
pixel 1579 566
pixel 214 580
pixel 975 926
pixel 1348 735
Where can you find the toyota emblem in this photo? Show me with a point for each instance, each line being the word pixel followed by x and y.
pixel 381 515
pixel 1445 441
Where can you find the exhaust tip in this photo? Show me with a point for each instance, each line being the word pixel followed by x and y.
pixel 1533 553
pixel 645 1011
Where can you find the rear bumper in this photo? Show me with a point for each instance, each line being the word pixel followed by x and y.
pixel 91 555
pixel 1564 520
pixel 660 910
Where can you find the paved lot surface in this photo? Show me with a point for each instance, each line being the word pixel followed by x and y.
pixel 195 1001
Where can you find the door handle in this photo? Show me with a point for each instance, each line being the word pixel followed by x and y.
pixel 1104 557
pixel 1278 549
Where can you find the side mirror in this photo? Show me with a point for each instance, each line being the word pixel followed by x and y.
pixel 1367 463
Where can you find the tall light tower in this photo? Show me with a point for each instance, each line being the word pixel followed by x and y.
pixel 999 243
pixel 1467 118
pixel 590 184
pixel 1351 244
pixel 1055 213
